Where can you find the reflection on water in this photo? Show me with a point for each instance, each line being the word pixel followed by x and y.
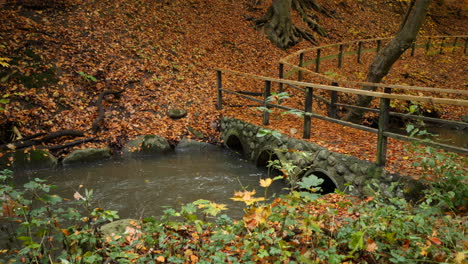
pixel 139 187
pixel 444 135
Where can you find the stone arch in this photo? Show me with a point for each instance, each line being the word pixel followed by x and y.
pixel 264 157
pixel 329 183
pixel 234 142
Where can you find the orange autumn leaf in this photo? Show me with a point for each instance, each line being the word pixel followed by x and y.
pixel 371 246
pixel 256 216
pixel 247 197
pixel 435 241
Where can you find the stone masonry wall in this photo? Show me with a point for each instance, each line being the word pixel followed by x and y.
pixel 341 169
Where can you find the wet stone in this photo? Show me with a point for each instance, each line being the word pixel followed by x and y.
pixel 87 155
pixel 176 113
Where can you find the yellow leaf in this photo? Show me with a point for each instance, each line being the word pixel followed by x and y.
pixel 460 257
pixel 246 197
pixel 266 182
pixel 161 259
pixel 256 216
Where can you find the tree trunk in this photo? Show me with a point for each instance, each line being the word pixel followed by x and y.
pixel 385 59
pixel 279 27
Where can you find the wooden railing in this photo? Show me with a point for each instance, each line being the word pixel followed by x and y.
pixel 385 97
pixel 435 44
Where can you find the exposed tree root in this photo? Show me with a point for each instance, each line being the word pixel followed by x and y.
pixel 45 139
pixel 278 25
pixel 68 144
pixel 31 140
pixel 100 117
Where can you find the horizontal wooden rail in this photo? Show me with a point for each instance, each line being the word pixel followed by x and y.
pixel 360 49
pixel 455 149
pixel 382 132
pixel 357 126
pixel 381 85
pixel 318 97
pixel 460 125
pixel 426 99
pixel 351 53
pixel 307 50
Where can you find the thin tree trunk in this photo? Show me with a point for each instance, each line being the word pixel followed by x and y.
pixel 385 59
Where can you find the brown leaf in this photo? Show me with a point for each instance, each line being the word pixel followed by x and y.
pixel 371 246
pixel 435 241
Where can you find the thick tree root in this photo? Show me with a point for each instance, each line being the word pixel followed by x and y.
pixel 100 117
pixel 279 27
pixel 33 142
pixel 68 144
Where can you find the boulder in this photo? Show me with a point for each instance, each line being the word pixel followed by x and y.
pixel 120 227
pixel 176 113
pixel 86 155
pixel 28 159
pixel 188 144
pixel 149 144
pixel 196 132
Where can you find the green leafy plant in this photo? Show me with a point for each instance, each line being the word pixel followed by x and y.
pixel 87 77
pixel 39 231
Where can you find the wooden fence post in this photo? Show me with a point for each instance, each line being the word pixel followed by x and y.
pixel 428 45
pixel 413 48
pixel 455 44
pixel 301 64
pixel 219 106
pixel 466 45
pixel 340 57
pixel 359 52
pixel 308 109
pixel 266 94
pixel 281 76
pixel 383 126
pixel 317 60
pixel 332 109
pixel 442 45
pixel 379 45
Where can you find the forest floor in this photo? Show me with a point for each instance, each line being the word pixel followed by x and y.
pixel 58 59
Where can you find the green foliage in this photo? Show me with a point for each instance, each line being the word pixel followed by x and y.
pixel 266 132
pixel 87 77
pixel 38 224
pixel 446 176
pixel 444 172
pixel 383 230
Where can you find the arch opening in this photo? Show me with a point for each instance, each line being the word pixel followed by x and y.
pixel 328 185
pixel 263 160
pixel 234 144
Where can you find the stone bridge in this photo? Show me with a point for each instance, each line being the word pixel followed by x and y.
pixel 308 158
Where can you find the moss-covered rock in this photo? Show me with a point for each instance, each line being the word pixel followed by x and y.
pixel 86 155
pixel 196 132
pixel 120 227
pixel 176 113
pixel 28 159
pixel 149 144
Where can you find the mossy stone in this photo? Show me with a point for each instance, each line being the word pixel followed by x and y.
pixel 87 155
pixel 119 226
pixel 149 144
pixel 28 159
pixel 176 113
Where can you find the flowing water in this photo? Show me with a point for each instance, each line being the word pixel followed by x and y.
pixel 140 187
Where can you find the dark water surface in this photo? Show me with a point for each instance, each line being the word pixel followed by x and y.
pixel 139 187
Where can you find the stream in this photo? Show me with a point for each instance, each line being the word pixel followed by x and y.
pixel 141 187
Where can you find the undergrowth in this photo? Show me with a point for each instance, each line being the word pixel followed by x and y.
pixel 300 227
